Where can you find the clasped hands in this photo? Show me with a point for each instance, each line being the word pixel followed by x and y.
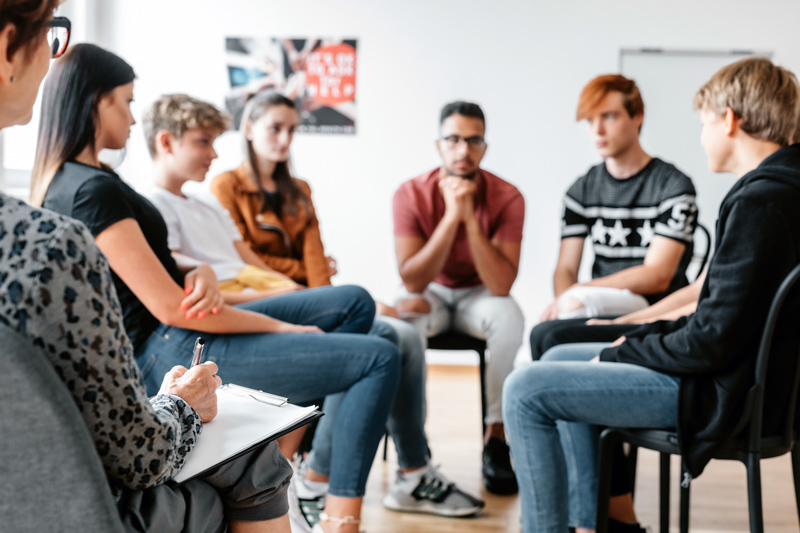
pixel 202 293
pixel 203 297
pixel 459 197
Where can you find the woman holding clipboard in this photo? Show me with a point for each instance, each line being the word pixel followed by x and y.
pixel 58 291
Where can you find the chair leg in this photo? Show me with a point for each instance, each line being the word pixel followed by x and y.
pixel 686 487
pixel 608 439
pixel 663 493
pixel 482 361
pixel 385 446
pixel 633 454
pixel 754 492
pixel 796 473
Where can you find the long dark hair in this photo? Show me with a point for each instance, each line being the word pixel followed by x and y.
pixel 72 91
pixel 289 193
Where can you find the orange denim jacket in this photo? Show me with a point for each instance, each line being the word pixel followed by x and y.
pixel 290 244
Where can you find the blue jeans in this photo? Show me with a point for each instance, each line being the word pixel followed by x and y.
pixel 552 409
pixel 406 422
pixel 304 367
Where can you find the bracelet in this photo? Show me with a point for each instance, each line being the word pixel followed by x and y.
pixel 324 517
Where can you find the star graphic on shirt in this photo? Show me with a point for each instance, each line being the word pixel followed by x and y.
pixel 646 233
pixel 618 234
pixel 599 232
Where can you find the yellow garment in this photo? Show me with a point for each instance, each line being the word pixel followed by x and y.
pixel 251 277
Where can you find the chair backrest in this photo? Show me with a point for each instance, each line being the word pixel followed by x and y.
pixel 51 478
pixel 701 252
pixel 754 404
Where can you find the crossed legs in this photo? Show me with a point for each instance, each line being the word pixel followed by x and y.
pixel 552 411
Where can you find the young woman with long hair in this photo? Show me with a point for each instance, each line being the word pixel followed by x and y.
pixel 86 108
pixel 272 209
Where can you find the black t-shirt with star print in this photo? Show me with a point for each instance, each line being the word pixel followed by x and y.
pixel 622 216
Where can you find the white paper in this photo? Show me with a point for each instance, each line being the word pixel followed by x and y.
pixel 240 423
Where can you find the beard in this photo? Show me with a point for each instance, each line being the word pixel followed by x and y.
pixel 467 176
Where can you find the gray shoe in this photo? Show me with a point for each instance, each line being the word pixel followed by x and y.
pixel 430 493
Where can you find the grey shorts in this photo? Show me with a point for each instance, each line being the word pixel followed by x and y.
pixel 252 487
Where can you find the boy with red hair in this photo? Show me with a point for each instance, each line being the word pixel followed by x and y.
pixel 639 210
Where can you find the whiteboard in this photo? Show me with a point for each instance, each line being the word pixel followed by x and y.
pixel 668 81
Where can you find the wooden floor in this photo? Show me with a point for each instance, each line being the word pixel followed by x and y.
pixel 719 496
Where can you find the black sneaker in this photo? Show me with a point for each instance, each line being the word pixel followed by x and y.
pixel 498 476
pixel 615 526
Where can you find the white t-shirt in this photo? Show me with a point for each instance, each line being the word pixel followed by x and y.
pixel 201 230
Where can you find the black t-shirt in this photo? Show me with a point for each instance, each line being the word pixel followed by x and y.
pixel 623 216
pixel 99 198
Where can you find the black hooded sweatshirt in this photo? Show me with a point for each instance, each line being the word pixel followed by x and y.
pixel 714 350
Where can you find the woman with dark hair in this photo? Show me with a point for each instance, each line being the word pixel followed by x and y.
pixel 273 210
pixel 57 291
pixel 86 109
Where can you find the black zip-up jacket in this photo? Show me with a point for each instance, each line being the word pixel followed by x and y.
pixel 714 350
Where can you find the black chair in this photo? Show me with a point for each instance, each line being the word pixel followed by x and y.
pixel 450 341
pixel 701 257
pixel 749 446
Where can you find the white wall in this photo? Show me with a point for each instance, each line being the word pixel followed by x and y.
pixel 524 62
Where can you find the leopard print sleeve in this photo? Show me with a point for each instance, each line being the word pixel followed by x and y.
pixel 56 287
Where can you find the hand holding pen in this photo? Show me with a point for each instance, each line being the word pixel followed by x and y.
pixel 197 385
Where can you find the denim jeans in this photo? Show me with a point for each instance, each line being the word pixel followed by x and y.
pixel 552 410
pixel 406 422
pixel 303 367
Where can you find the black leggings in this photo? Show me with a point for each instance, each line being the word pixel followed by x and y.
pixel 555 332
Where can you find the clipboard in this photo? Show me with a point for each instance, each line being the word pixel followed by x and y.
pixel 247 420
pixel 257 395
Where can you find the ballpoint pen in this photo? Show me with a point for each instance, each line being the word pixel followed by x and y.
pixel 197 353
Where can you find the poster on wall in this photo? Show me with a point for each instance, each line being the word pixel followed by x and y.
pixel 318 74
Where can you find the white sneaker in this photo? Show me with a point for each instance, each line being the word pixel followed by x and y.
pixel 428 491
pixel 318 529
pixel 306 501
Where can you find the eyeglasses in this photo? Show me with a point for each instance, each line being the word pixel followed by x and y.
pixel 451 141
pixel 58 35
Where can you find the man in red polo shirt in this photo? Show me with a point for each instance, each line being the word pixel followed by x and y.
pixel 458 233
